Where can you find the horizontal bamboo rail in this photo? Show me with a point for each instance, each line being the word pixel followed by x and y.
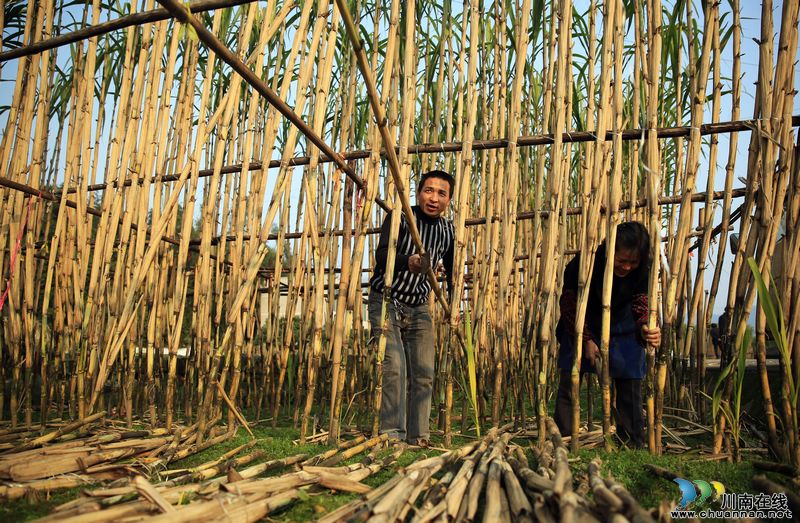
pixel 478 145
pixel 526 215
pixel 46 195
pixel 470 222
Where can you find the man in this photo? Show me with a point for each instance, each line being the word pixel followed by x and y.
pixel 409 359
pixel 714 334
pixel 629 331
pixel 724 336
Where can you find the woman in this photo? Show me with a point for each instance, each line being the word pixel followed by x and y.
pixel 629 331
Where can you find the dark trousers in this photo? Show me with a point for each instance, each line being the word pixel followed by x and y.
pixel 627 408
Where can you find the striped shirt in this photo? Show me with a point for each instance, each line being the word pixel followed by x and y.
pixel 437 236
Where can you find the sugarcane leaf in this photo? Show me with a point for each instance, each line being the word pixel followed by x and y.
pixel 471 369
pixel 783 345
pixel 765 300
pixel 726 411
pixel 774 320
pixel 188 27
pixel 716 399
pixel 537 11
pixel 724 375
pixel 740 371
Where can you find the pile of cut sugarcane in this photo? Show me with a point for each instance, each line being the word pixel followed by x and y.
pixel 492 479
pixel 64 455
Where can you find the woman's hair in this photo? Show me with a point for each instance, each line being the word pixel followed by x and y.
pixel 634 236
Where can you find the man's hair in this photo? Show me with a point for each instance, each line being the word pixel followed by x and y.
pixel 438 174
pixel 634 236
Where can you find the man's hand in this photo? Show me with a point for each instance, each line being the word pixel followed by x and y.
pixel 651 336
pixel 591 352
pixel 415 264
pixel 418 264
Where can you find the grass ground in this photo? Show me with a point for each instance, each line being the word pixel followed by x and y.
pixel 627 466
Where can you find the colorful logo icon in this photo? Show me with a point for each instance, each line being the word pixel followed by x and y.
pixel 698 491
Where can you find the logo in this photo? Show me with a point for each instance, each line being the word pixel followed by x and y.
pixel 698 491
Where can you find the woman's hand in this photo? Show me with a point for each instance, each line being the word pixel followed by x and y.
pixel 591 352
pixel 651 336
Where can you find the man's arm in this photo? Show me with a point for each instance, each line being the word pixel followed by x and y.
pixel 382 252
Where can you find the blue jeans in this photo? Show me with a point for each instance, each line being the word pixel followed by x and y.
pixel 407 368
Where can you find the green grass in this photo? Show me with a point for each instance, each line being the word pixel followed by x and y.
pixel 276 443
pixel 628 467
pixel 30 508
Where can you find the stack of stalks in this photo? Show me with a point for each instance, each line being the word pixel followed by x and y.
pixel 81 453
pixel 228 490
pixel 493 479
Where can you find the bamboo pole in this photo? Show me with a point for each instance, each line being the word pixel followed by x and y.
pixel 463 169
pixel 653 181
pixel 613 218
pixel 631 135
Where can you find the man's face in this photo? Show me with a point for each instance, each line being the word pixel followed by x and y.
pixel 434 196
pixel 625 261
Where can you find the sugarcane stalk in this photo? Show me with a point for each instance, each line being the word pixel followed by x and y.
pixel 653 183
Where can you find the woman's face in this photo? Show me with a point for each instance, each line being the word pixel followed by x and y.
pixel 625 261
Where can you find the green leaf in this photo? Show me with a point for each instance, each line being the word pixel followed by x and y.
pixel 192 33
pixel 774 322
pixel 188 27
pixel 716 400
pixel 471 372
pixel 765 299
pixel 740 371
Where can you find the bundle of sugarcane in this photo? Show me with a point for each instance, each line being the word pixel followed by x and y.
pixel 610 501
pixel 237 494
pixel 64 458
pixel 494 473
